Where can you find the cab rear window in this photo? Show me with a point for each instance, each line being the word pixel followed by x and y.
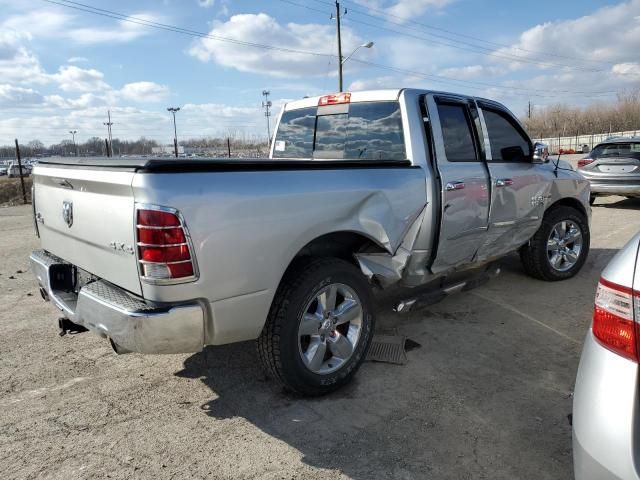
pixel 366 131
pixel 630 150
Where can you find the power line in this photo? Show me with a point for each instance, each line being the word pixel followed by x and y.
pixel 469 46
pixel 172 28
pixel 403 22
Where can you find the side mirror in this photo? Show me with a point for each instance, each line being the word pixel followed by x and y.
pixel 540 153
pixel 513 154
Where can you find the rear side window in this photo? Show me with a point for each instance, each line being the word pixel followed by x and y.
pixel 295 134
pixel 367 131
pixel 631 150
pixel 508 142
pixel 456 132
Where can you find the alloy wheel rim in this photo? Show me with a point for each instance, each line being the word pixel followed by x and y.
pixel 330 328
pixel 564 245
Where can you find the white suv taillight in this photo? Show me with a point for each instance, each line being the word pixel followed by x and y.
pixel 613 318
pixel 164 250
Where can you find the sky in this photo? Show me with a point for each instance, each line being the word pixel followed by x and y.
pixel 62 67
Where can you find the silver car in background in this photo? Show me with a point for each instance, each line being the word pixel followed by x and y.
pixel 605 404
pixel 613 168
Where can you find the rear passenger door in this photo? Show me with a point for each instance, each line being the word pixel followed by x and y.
pixel 519 187
pixel 464 180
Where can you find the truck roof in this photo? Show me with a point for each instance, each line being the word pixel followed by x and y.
pixel 381 95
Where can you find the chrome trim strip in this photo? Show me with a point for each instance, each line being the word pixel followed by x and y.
pixel 140 244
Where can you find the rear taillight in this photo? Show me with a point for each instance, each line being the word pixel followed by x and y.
pixel 584 161
pixel 613 319
pixel 164 251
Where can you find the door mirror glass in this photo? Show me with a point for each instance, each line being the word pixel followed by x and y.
pixel 512 154
pixel 540 153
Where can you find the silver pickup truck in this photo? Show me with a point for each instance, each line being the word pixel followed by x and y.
pixel 367 189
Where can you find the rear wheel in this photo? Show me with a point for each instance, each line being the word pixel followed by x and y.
pixel 319 328
pixel 560 247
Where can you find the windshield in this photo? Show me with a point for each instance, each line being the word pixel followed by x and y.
pixel 628 150
pixel 366 131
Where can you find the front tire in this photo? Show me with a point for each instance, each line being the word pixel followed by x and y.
pixel 560 247
pixel 319 328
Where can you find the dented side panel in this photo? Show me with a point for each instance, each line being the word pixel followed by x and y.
pixel 247 227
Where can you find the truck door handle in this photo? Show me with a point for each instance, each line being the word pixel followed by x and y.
pixel 454 186
pixel 504 182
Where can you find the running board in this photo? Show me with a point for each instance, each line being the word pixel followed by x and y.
pixel 432 297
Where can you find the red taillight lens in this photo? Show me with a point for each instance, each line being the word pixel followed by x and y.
pixel 163 249
pixel 613 319
pixel 157 218
pixel 584 161
pixel 164 236
pixel 165 254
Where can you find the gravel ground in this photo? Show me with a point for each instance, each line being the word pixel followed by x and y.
pixel 485 396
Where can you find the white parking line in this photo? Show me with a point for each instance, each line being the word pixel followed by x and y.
pixel 513 309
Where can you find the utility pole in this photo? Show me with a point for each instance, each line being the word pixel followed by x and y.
pixel 266 104
pixel 529 112
pixel 108 124
pixel 173 110
pixel 73 136
pixel 340 62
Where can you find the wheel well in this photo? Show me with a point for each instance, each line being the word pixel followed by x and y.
pixel 339 245
pixel 569 202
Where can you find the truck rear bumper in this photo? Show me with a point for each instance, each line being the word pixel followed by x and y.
pixel 129 322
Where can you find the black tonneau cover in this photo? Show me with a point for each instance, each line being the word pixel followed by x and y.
pixel 175 165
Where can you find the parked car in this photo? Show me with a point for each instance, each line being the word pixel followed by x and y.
pixel 613 168
pixel 606 396
pixel 3 171
pixel 14 170
pixel 387 187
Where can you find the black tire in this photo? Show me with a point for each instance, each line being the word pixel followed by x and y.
pixel 278 345
pixel 534 256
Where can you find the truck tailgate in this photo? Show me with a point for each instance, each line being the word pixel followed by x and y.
pixel 86 217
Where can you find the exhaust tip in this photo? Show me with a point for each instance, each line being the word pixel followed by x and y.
pixel 119 350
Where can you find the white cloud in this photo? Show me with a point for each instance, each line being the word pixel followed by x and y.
pixel 17 63
pixel 606 35
pixel 206 3
pixel 144 92
pixel 403 10
pixel 51 23
pixel 74 79
pixel 262 28
pixel 78 60
pixel 629 71
pixel 11 96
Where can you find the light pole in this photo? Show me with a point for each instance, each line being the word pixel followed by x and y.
pixel 108 124
pixel 173 110
pixel 73 136
pixel 267 113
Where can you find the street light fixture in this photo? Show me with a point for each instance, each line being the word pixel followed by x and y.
pixel 343 60
pixel 73 136
pixel 173 110
pixel 364 45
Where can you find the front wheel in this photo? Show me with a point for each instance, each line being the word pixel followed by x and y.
pixel 560 247
pixel 319 327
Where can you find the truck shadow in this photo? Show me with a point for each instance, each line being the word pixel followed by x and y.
pixel 487 395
